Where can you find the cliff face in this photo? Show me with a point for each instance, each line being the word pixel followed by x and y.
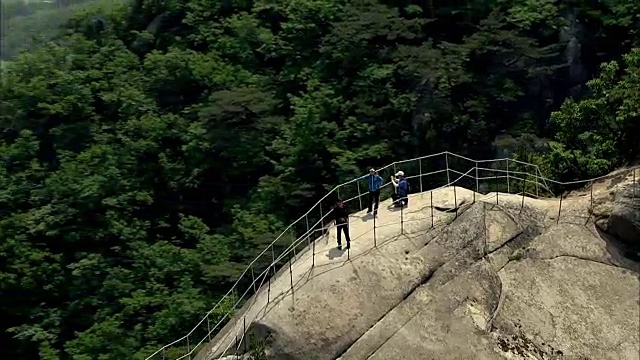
pixel 504 279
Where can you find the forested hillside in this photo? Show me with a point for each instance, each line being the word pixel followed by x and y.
pixel 151 150
pixel 26 21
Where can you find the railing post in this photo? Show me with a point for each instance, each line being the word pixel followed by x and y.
pixel 359 194
pixel 508 186
pixel 401 216
pixel 208 328
pixel 375 241
pixel 293 243
pixel 237 345
pixel 188 347
pixel 322 223
pixel 164 353
pixel 268 288
pixel 524 190
pixel 306 219
pixel 420 168
pixel 313 253
pixel 495 179
pixel 431 193
pixel 537 180
pixel 484 224
pixel 633 186
pixel 559 209
pixel 455 201
pixel 273 260
pixel 253 279
pixel 446 160
pixel 477 180
pixel 290 273
pixel 244 332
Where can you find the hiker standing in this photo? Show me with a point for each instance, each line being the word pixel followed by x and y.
pixel 375 182
pixel 402 189
pixel 341 217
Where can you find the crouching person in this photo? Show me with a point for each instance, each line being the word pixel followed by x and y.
pixel 400 198
pixel 341 217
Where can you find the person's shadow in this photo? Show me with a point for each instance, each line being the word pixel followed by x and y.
pixel 367 217
pixel 334 253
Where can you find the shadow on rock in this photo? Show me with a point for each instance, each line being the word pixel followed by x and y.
pixel 334 253
pixel 366 217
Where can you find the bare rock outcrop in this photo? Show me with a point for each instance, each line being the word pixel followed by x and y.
pixel 496 279
pixel 618 210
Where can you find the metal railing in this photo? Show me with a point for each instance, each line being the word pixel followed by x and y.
pixel 484 176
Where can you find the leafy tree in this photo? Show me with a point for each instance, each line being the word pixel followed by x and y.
pixel 594 134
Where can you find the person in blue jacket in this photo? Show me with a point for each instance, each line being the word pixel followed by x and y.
pixel 402 189
pixel 375 182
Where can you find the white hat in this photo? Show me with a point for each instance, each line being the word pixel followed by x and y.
pixel 400 173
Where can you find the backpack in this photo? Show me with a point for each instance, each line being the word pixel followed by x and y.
pixel 408 186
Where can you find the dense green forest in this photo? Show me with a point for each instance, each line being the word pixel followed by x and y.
pixel 151 149
pixel 27 21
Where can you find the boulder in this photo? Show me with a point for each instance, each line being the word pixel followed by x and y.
pixel 617 211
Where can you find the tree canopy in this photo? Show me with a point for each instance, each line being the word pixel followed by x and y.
pixel 150 149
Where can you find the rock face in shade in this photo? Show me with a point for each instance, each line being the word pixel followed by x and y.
pixel 618 210
pixel 494 282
